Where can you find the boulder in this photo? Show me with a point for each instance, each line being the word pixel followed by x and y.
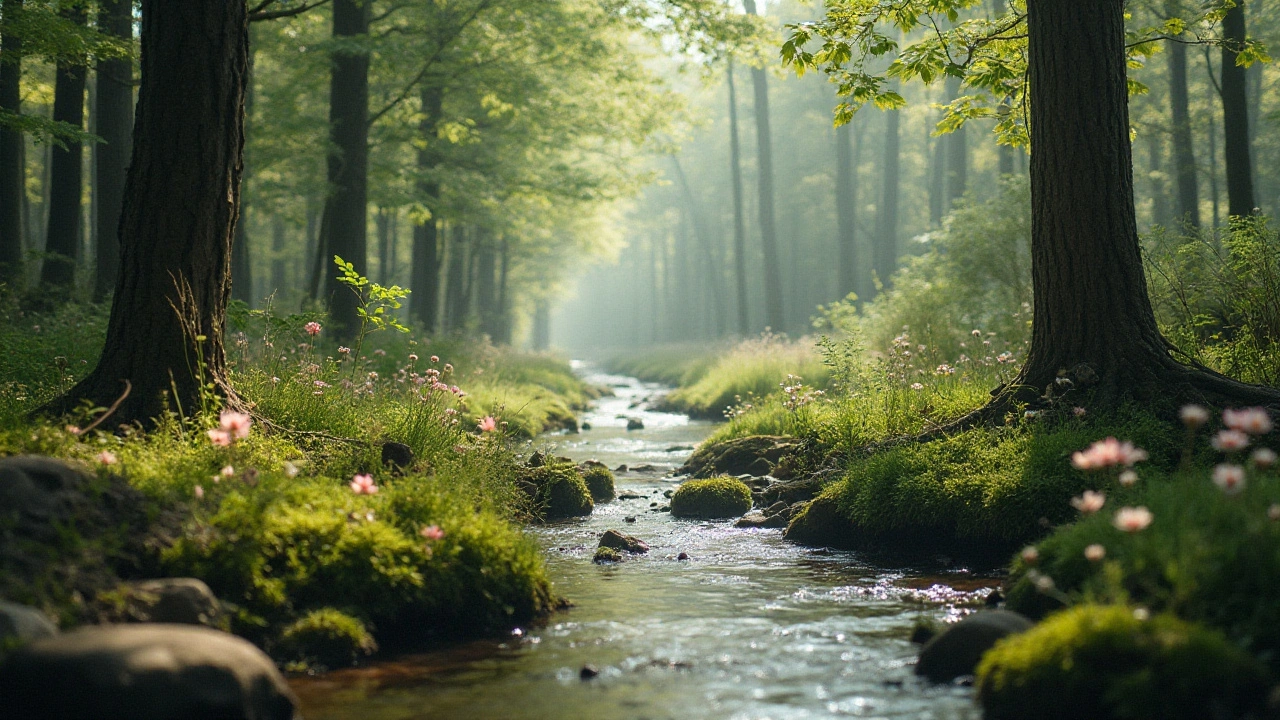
pixel 600 482
pixel 753 455
pixel 20 624
pixel 720 497
pixel 635 424
pixel 955 652
pixel 144 672
pixel 183 601
pixel 794 491
pixel 397 455
pixel 618 541
pixel 820 524
pixel 754 519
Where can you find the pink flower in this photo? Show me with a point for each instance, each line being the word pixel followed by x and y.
pixel 312 328
pixel 1254 421
pixel 73 429
pixel 413 357
pixel 1108 453
pixel 435 359
pixel 1078 411
pixel 1132 519
pixel 488 424
pixel 106 457
pixel 1193 416
pixel 432 532
pixel 199 492
pixel 221 438
pixel 1264 457
pixel 236 424
pixel 1030 555
pixel 1229 477
pixel 1095 553
pixel 363 485
pixel 227 471
pixel 344 350
pixel 1229 441
pixel 1088 503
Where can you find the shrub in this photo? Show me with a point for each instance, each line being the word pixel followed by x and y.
pixel 1097 662
pixel 599 480
pixel 718 497
pixel 325 637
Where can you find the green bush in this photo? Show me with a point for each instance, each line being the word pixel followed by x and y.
pixel 600 482
pixel 718 497
pixel 325 637
pixel 1099 662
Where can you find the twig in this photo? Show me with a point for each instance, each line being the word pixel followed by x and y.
pixel 128 386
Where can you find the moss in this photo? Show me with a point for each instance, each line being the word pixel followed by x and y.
pixel 326 637
pixel 1097 662
pixel 606 555
pixel 559 491
pixel 599 480
pixel 718 497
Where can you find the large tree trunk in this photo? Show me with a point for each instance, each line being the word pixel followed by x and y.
pixel 66 179
pixel 884 250
pixel 768 226
pixel 846 210
pixel 1235 116
pixel 241 262
pixel 167 319
pixel 425 273
pixel 114 116
pixel 1184 159
pixel 739 225
pixel 348 167
pixel 12 195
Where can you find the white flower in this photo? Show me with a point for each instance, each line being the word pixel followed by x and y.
pixel 1229 477
pixel 1132 519
pixel 1193 416
pixel 1089 502
pixel 1095 553
pixel 1264 457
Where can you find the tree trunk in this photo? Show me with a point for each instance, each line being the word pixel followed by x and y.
pixel 455 291
pixel 348 165
pixel 168 314
pixel 1159 195
pixel 66 177
pixel 937 178
pixel 846 211
pixel 542 325
pixel 1184 159
pixel 502 326
pixel 1235 117
pixel 739 226
pixel 425 273
pixel 114 116
pixel 768 226
pixel 12 177
pixel 382 219
pixel 957 144
pixel 278 280
pixel 885 248
pixel 486 260
pixel 241 260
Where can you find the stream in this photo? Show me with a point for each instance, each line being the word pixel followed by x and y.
pixel 749 627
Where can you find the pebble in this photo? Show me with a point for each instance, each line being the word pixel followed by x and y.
pixel 588 671
pixel 682 556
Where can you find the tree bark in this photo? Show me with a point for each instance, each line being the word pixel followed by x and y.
pixel 885 249
pixel 739 225
pixel 957 144
pixel 1184 159
pixel 455 291
pixel 278 280
pixel 768 226
pixel 425 273
pixel 241 261
pixel 114 116
pixel 12 194
pixel 541 325
pixel 1235 116
pixel 348 164
pixel 165 332
pixel 66 178
pixel 846 211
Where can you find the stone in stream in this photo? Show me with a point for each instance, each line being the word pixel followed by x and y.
pixel 955 652
pixel 588 671
pixel 629 518
pixel 606 555
pixel 630 495
pixel 618 541
pixel 21 624
pixel 586 426
pixel 620 469
pixel 144 672
pixel 635 424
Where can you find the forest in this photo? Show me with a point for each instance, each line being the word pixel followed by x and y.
pixel 639 358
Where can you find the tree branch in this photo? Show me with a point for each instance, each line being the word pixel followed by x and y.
pixel 261 14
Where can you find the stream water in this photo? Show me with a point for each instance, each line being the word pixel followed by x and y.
pixel 748 627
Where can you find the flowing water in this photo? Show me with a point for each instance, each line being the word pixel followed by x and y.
pixel 748 627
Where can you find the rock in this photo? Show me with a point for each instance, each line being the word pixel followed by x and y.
pixel 620 469
pixel 682 556
pixel 183 601
pixel 924 629
pixel 994 598
pixel 754 519
pixel 668 493
pixel 629 518
pixel 599 480
pixel 720 497
pixel 794 491
pixel 955 652
pixel 644 468
pixel 144 672
pixel 397 455
pixel 635 424
pixel 618 541
pixel 586 426
pixel 778 508
pixel 629 495
pixel 752 455
pixel 561 492
pixel 606 555
pixel 587 672
pixel 586 464
pixel 537 460
pixel 20 624
pixel 820 523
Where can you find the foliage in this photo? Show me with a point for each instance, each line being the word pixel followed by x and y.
pixel 559 491
pixel 717 497
pixel 1114 662
pixel 43 354
pixel 327 637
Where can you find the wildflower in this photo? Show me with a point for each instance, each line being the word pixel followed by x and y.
pixel 1044 583
pixel 363 485
pixel 290 470
pixel 1095 553
pixel 976 333
pixel 1078 411
pixel 1108 453
pixel 1273 512
pixel 73 429
pixel 373 375
pixel 106 457
pixel 1193 416
pixel 1141 614
pixel 199 492
pixel 1004 357
pixel 432 532
pixel 1030 555
pixel 1254 421
pixel 275 381
pixel 917 386
pixel 945 369
pixel 320 384
pixel 227 471
pixel 380 352
pixel 1264 457
pixel 488 424
pixel 344 350
pixel 1089 502
pixel 448 367
pixel 312 328
pixel 1229 440
pixel 1030 415
pixel 413 357
pixel 1128 477
pixel 1132 519
pixel 220 438
pixel 235 424
pixel 1229 477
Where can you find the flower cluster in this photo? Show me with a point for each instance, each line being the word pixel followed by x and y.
pixel 232 426
pixel 1108 453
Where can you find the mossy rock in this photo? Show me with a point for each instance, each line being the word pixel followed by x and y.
pixel 559 491
pixel 599 480
pixel 607 555
pixel 719 497
pixel 326 637
pixel 1096 662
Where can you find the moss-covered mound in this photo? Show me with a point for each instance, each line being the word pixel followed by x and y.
pixel 606 555
pixel 558 491
pixel 599 480
pixel 1100 662
pixel 325 637
pixel 719 497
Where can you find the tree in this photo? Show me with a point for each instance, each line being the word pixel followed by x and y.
pixel 957 152
pixel 1235 114
pixel 66 185
pixel 739 226
pixel 164 336
pixel 846 208
pixel 11 174
pixel 768 225
pixel 114 110
pixel 425 271
pixel 1184 158
pixel 884 248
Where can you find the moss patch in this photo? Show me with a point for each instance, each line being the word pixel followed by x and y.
pixel 606 555
pixel 600 482
pixel 325 637
pixel 1097 662
pixel 559 491
pixel 719 497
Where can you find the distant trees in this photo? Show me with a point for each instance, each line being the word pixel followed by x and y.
pixel 768 224
pixel 1235 115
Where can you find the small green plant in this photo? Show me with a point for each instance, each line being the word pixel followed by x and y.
pixel 374 303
